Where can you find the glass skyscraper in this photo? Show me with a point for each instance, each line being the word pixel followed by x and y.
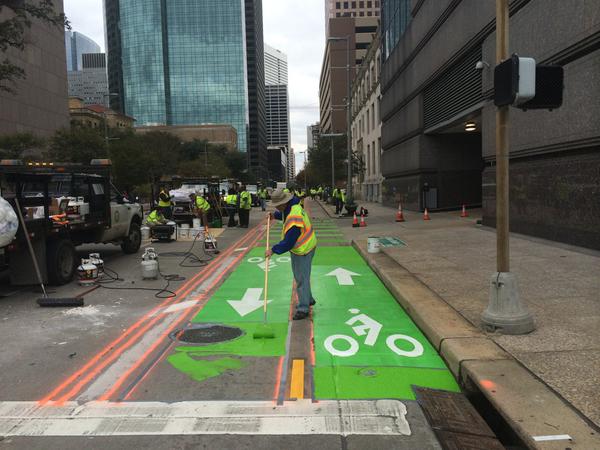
pixel 182 62
pixel 76 44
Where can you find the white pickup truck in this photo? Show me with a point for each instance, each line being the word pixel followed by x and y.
pixel 64 206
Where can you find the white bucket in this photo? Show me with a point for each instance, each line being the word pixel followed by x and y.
pixel 174 225
pixel 183 232
pixel 196 223
pixel 145 233
pixel 373 245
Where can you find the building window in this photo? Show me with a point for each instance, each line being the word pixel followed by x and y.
pixel 369 168
pixel 361 4
pixel 338 5
pixel 368 121
pixel 354 5
pixel 377 4
pixel 369 13
pixel 337 14
pixel 373 117
pixel 369 4
pixel 345 5
pixel 362 14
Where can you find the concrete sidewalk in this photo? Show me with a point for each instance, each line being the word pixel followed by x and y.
pixel 447 264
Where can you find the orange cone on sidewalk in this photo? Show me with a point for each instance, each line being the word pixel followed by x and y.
pixel 355 221
pixel 399 215
pixel 362 221
pixel 426 215
pixel 464 212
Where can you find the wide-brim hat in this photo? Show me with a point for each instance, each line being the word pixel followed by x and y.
pixel 278 197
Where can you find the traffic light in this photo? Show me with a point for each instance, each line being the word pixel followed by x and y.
pixel 549 86
pixel 514 81
pixel 519 82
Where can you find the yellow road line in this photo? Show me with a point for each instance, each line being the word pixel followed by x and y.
pixel 297 380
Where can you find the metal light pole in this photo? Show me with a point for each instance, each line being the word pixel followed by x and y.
pixel 505 312
pixel 332 135
pixel 107 106
pixel 349 196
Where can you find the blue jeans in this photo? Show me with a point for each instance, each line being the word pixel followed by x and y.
pixel 301 267
pixel 262 203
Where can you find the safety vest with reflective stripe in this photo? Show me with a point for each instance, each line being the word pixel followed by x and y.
pixel 262 193
pixel 202 204
pixel 308 239
pixel 231 199
pixel 245 200
pixel 154 218
pixel 164 203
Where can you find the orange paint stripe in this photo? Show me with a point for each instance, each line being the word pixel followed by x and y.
pixel 156 343
pixel 278 376
pixel 113 345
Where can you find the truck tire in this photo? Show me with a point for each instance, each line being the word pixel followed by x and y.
pixel 131 244
pixel 60 261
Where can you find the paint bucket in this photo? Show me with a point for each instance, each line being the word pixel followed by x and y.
pixel 196 223
pixel 145 233
pixel 174 234
pixel 373 244
pixel 184 231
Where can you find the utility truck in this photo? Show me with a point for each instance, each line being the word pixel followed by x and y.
pixel 64 205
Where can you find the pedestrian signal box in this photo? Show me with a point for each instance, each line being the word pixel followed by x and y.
pixel 514 81
pixel 520 82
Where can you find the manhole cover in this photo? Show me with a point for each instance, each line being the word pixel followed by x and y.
pixel 206 333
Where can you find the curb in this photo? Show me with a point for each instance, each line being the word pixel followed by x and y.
pixel 528 405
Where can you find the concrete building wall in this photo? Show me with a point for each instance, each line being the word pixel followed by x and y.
pixel 40 103
pixel 554 155
pixel 213 133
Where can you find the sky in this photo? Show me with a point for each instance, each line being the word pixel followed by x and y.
pixel 295 27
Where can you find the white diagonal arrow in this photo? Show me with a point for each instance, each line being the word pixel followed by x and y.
pixel 344 277
pixel 250 302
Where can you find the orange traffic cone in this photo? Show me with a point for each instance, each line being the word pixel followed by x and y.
pixel 362 221
pixel 426 215
pixel 355 221
pixel 464 212
pixel 399 215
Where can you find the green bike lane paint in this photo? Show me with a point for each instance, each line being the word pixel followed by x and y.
pixel 366 346
pixel 238 303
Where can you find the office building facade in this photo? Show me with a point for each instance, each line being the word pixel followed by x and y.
pixel 333 80
pixel 334 8
pixel 366 125
pixel 431 90
pixel 312 135
pixel 91 82
pixel 186 62
pixel 276 66
pixel 39 103
pixel 76 44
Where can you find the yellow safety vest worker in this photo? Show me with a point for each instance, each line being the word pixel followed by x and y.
pixel 335 193
pixel 262 193
pixel 202 204
pixel 231 199
pixel 286 190
pixel 342 196
pixel 308 239
pixel 164 203
pixel 154 218
pixel 245 200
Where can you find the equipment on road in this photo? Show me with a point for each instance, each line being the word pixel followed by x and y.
pixel 45 300
pixel 150 264
pixel 355 221
pixel 362 221
pixel 264 331
pixel 373 244
pixel 87 273
pixel 399 215
pixel 464 212
pixel 426 215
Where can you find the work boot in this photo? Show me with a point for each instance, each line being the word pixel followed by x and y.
pixel 300 315
pixel 313 302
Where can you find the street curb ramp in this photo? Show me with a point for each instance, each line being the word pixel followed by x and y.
pixel 530 407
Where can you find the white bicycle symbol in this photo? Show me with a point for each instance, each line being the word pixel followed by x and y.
pixel 371 328
pixel 260 262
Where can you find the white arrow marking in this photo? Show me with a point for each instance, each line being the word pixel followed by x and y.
pixel 344 277
pixel 250 302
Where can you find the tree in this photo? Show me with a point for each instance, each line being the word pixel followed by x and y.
pixel 318 168
pixel 77 145
pixel 13 146
pixel 21 15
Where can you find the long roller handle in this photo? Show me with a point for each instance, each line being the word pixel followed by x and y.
pixel 267 261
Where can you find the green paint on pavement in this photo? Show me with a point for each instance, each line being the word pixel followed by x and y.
pixel 391 241
pixel 339 382
pixel 201 369
pixel 359 325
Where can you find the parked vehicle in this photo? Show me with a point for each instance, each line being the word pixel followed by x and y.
pixel 65 205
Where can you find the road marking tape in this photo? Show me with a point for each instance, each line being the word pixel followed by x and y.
pixel 552 437
pixel 180 306
pixel 301 417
